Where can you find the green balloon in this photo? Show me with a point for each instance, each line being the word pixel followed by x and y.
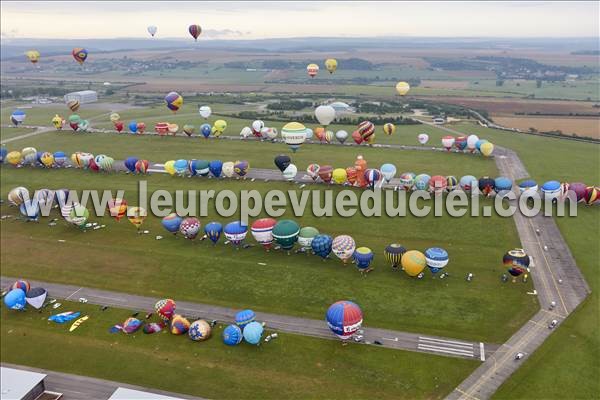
pixel 286 233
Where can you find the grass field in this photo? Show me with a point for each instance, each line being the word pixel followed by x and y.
pixel 119 259
pixel 7 133
pixel 579 126
pixel 290 366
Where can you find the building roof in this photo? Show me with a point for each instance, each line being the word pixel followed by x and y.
pixel 16 383
pixel 82 93
pixel 130 394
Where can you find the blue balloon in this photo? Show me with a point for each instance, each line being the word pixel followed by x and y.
pixel 30 209
pixel 133 126
pixel 215 167
pixel 436 258
pixel 130 163
pixel 3 153
pixel 253 332
pixel 38 157
pixel 479 143
pixel 502 184
pixel 363 259
pixel 193 167
pixel 528 184
pixel 180 166
pixel 172 222
pixel 244 317
pixel 422 181
pixel 321 245
pixel 232 335
pixel 213 231
pixel 60 158
pixel 205 130
pixel 15 299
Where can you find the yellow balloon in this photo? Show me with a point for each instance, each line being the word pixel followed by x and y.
pixel 173 128
pixel 339 176
pixel 331 65
pixel 487 149
pixel 389 128
pixel 402 88
pixel 33 56
pixel 57 121
pixel 114 117
pixel 170 167
pixel 413 262
pixel 47 159
pixel 14 157
pixel 221 125
pixel 136 215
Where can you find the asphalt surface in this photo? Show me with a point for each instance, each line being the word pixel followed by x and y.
pixel 78 387
pixel 296 325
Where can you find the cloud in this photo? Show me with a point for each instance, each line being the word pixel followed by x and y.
pixel 222 33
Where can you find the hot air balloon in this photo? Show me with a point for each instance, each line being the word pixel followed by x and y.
pixel 422 182
pixel 15 299
pixel 592 195
pixel 58 122
pixel 312 70
pixel 448 142
pixel 269 133
pixel 325 114
pixel 141 128
pixel 438 184
pixel 80 54
pixel 117 208
pixel 172 222
pixel 290 172
pixel 179 325
pixel 341 136
pixel 344 318
pixel 486 185
pixel 320 133
pixel 393 254
pixel 130 163
pixel 235 232
pixel 331 65
pixel 114 117
pixel 215 167
pixel 285 233
pixel 133 126
pixel 228 169
pixel 141 166
pixel 219 127
pixel 551 190
pixel 29 155
pixel 306 236
pixel 388 171
pixel 579 189
pixel 205 111
pixel 502 185
pixel 21 284
pixel 313 171
pixel 479 143
pixel 59 158
pixel 460 143
pixel 162 128
pixel 402 88
pixel 423 138
pixel 363 257
pixel 517 261
pixel 195 31
pixel 136 215
pixel 190 227
pixel 244 317
pixel 321 245
pixel 17 117
pixel 180 166
pixel 407 180
pixel 245 132
pixel 282 161
pixel 119 125
pixel 389 128
pixel 241 167
pixel 36 297
pixel 47 159
pixel 339 176
pixel 487 149
pixel 366 130
pixel 3 154
pixel 174 101
pixel 343 247
pixel 253 333
pixel 152 30
pixel 199 330
pixel 33 56
pixel 468 182
pixel 436 258
pixel 232 335
pixel 78 215
pixel 413 262
pixel 360 164
pixel 213 231
pixel 257 127
pixel 83 125
pixel 326 173
pixel 472 142
pixel 294 134
pixel 165 309
pixel 205 130
pixel 374 178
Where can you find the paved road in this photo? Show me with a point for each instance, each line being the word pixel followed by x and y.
pixel 78 387
pixel 301 326
pixel 38 131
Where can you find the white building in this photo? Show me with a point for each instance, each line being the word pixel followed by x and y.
pixel 17 384
pixel 85 96
pixel 130 394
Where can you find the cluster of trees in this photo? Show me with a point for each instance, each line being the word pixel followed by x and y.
pixel 356 64
pixel 289 105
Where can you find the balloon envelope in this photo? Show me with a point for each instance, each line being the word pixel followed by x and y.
pixel 253 332
pixel 15 299
pixel 232 335
pixel 244 317
pixel 344 318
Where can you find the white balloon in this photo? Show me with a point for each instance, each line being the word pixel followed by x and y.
pixel 423 138
pixel 152 30
pixel 290 172
pixel 309 133
pixel 245 132
pixel 472 141
pixel 269 133
pixel 205 111
pixel 341 136
pixel 257 126
pixel 325 114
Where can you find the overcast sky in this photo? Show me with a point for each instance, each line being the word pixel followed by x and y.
pixel 253 20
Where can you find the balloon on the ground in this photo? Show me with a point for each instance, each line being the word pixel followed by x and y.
pixel 487 149
pixel 17 117
pixel 83 125
pixel 179 325
pixel 344 318
pixel 321 245
pixel 165 309
pixel 326 173
pixel 228 169
pixel 253 333
pixel 366 130
pixel 423 138
pixel 389 128
pixel 282 161
pixel 331 65
pixel 219 127
pixel 199 330
pixel 551 190
pixel 58 121
pixel 195 30
pixel 448 142
pixel 133 126
pixel 30 209
pixel 313 171
pixel 339 176
pixel 422 181
pixel 438 184
pixel 47 159
pixel 190 227
pixel 246 132
pixel 472 142
pixel 60 158
pixel 517 261
pixel 241 167
pixel 393 254
pixel 487 185
pixel 172 222
pixel 180 166
pixel 232 335
pixel 468 183
pixel 306 236
pixel 235 232
pixel 460 143
pixel 341 136
pixel 21 284
pixel 413 262
pixel 285 233
pixel 343 247
pixel 402 88
pixel 388 171
pixel 325 114
pixel 174 101
pixel 290 172
pixel 312 70
pixel 244 317
pixel 36 297
pixel 294 134
pixel 130 163
pixel 79 54
pixel 29 155
pixel 117 208
pixel 141 166
pixel 363 256
pixel 269 133
pixel 407 180
pixel 213 231
pixel 374 178
pixel 502 184
pixel 15 299
pixel 137 216
pixel 351 175
pixel 436 258
pixel 257 127
pixel 79 215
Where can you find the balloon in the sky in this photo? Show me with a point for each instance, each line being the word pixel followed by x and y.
pixel 199 330
pixel 487 149
pixel 344 318
pixel 232 335
pixel 174 101
pixel 366 130
pixel 294 134
pixel 393 254
pixel 165 309
pixel 245 132
pixel 17 117
pixel 402 88
pixel 285 233
pixel 389 128
pixel 436 258
pixel 80 54
pixel 213 231
pixel 423 138
pixel 190 227
pixel 253 332
pixel 179 325
pixel 195 31
pixel 388 171
pixel 36 297
pixel 321 245
pixel 448 142
pixel 312 70
pixel 343 247
pixel 313 171
pixel 33 56
pixel 58 121
pixel 413 262
pixel 331 65
pixel 73 105
pixel 325 114
pixel 244 317
pixel 339 176
pixel 205 111
pixel 235 232
pixel 172 222
pixel 136 215
pixel 152 30
pixel 341 136
pixel 15 299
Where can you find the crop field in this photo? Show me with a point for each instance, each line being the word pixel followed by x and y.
pixel 569 126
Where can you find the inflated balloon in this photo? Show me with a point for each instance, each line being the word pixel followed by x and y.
pixel 422 182
pixel 73 105
pixel 438 184
pixel 320 133
pixel 339 176
pixel 17 117
pixel 472 142
pixel 22 284
pixel 285 233
pixel 219 127
pixel 195 31
pixel 3 154
pixel 47 159
pixel 257 127
pixel 290 172
pixel 60 158
pixel 517 261
pixel 313 171
pixel 180 166
pixel 269 133
pixel 188 129
pixel 117 208
pixel 83 125
pixel 179 325
pixel 502 184
pixel 374 178
pixel 592 194
pixel 199 330
pixel 325 114
pixel 36 297
pixel 244 317
pixel 388 171
pixel 171 223
pixel 15 299
pixel 137 216
pixel 165 309
pixel 487 149
pixel 282 161
pixel 479 143
pixel 448 142
pixel 78 215
pixel 245 132
pixel 351 175
pixel 309 133
pixel 133 126
pixel 328 136
pixel 162 128
pixel 363 257
pixel 205 111
pixel 550 190
pixel 14 157
pixel 215 167
pixel 190 227
pixel 366 130
pixel 361 166
pixel 141 166
pixel 331 65
pixel 228 169
pixel 306 236
pixel 486 185
pixel 114 117
pixel 436 258
pixel 343 247
pixel 413 262
pixel 205 130
pixel 174 101
pixel 232 335
pixel 173 129
pixel 402 88
pixel 344 318
pixel 262 231
pixel 312 70
pixel 423 138
pixel 451 183
pixel 33 56
pixel 80 54
pixel 294 134
pixel 393 254
pixel 241 167
pixel 213 231
pixel 326 173
pixel 141 128
pixel 389 128
pixel 119 125
pixel 341 136
pixel 460 143
pixel 321 245
pixel 468 182
pixel 29 155
pixel 253 333
pixel 58 122
pixel 152 30
pixel 235 232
